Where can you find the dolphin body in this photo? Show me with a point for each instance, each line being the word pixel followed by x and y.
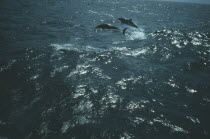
pixel 106 26
pixel 128 22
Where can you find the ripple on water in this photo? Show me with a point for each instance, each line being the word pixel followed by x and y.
pixel 8 65
pixel 181 39
pixel 174 128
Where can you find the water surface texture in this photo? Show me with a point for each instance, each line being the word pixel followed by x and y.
pixel 61 78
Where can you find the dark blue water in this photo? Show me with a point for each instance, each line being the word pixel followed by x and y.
pixel 60 77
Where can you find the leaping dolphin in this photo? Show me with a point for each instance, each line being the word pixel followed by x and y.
pixel 106 26
pixel 128 22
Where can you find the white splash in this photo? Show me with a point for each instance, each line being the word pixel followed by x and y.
pixel 34 77
pixel 126 136
pixel 137 52
pixel 135 34
pixel 192 91
pixel 81 69
pixel 172 83
pixel 194 120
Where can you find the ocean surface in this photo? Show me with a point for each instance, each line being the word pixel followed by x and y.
pixel 61 78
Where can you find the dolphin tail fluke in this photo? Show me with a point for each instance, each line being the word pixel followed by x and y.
pixel 124 30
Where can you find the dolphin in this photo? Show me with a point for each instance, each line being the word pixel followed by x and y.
pixel 128 22
pixel 106 26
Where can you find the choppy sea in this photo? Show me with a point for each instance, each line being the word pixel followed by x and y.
pixel 61 78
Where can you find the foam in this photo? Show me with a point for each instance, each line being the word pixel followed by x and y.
pixel 74 47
